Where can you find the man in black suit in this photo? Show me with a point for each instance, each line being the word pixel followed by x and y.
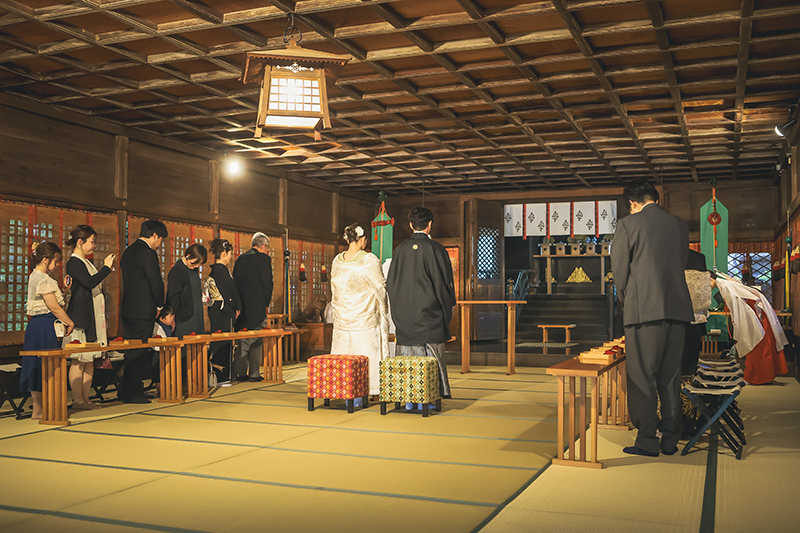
pixel 252 274
pixel 142 298
pixel 648 257
pixel 422 294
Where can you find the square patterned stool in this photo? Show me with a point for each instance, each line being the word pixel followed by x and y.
pixel 340 377
pixel 410 380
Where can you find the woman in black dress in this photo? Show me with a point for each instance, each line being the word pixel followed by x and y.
pixel 185 291
pixel 87 309
pixel 225 306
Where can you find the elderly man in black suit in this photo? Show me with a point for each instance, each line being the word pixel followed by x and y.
pixel 252 274
pixel 648 258
pixel 142 298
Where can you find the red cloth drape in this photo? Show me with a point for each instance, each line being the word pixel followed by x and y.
pixel 764 362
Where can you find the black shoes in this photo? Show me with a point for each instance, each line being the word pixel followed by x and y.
pixel 242 378
pixel 635 450
pixel 138 399
pixel 673 451
pixel 256 379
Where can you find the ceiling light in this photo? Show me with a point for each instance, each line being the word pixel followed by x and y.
pixel 783 129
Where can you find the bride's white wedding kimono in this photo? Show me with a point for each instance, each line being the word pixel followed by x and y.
pixel 360 311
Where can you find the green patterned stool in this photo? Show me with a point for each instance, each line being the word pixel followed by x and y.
pixel 410 380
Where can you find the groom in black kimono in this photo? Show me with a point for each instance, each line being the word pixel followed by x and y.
pixel 422 295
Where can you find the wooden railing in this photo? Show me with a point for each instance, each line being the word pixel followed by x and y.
pixel 608 407
pixel 54 366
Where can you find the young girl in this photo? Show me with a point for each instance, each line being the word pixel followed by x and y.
pixel 44 306
pixel 87 309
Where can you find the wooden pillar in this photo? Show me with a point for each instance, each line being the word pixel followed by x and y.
pixel 121 168
pixel 283 202
pixel 335 214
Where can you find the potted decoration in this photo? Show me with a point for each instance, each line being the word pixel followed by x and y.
pixel 545 245
pixel 591 246
pixel 605 246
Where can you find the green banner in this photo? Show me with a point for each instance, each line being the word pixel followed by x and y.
pixel 382 234
pixel 708 250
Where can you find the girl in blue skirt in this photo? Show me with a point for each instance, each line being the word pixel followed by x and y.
pixel 45 305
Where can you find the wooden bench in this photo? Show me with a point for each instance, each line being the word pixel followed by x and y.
pixel 546 327
pixel 607 403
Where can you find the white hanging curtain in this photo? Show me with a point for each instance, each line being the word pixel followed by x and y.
pixel 607 217
pixel 560 219
pixel 512 219
pixel 536 220
pixel 583 221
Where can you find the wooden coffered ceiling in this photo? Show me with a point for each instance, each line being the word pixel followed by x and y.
pixel 449 95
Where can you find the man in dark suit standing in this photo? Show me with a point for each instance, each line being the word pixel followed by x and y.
pixel 142 298
pixel 648 257
pixel 422 295
pixel 252 274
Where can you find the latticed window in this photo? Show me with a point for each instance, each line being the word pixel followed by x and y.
pixel 13 275
pixel 488 253
pixel 760 264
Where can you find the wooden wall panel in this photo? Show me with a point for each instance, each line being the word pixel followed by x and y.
pixel 753 209
pixel 309 212
pixel 250 201
pixel 167 184
pixel 446 211
pixel 46 159
pixel 352 210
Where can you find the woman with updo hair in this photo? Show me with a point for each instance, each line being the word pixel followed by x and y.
pixel 87 309
pixel 360 310
pixel 44 306
pixel 225 306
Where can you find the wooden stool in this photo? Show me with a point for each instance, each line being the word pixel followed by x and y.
pixel 545 333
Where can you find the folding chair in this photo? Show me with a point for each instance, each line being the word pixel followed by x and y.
pixel 9 391
pixel 104 379
pixel 715 402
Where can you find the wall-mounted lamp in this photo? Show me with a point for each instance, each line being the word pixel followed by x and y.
pixel 232 166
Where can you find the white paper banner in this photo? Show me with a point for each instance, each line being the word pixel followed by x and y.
pixel 536 220
pixel 607 216
pixel 560 223
pixel 583 222
pixel 512 219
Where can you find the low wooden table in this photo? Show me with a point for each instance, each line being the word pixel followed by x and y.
pixel 512 324
pixel 608 407
pixel 545 333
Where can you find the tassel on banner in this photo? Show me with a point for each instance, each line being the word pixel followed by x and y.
pixel 597 220
pixel 548 220
pixel 524 222
pixel 571 219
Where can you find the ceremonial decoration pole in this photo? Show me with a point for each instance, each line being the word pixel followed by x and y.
pixel 787 276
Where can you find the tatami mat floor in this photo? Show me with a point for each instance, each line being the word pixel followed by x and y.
pixel 678 493
pixel 253 458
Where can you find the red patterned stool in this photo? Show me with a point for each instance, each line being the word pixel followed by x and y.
pixel 340 377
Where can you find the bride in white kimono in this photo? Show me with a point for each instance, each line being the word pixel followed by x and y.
pixel 360 309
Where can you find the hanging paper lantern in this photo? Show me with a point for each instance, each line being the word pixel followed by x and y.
pixel 323 274
pixel 302 271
